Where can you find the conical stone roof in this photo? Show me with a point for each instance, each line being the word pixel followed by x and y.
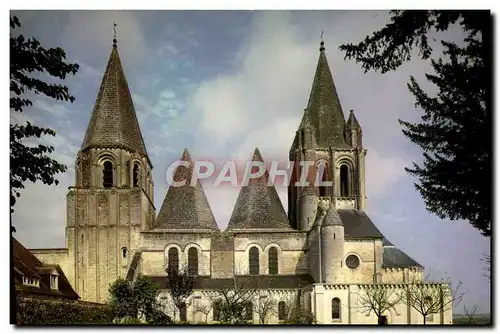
pixel 185 207
pixel 324 110
pixel 258 205
pixel 113 122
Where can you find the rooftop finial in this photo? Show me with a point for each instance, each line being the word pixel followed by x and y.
pixel 114 34
pixel 322 44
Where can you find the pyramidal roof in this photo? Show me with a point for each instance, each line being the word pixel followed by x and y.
pixel 113 122
pixel 324 110
pixel 185 207
pixel 258 205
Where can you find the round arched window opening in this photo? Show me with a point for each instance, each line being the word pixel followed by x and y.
pixel 352 261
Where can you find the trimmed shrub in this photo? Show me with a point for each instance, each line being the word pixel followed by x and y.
pixel 35 311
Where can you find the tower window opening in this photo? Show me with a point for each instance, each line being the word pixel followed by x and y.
pixel 323 171
pixel 107 175
pixel 254 261
pixel 344 181
pixel 124 252
pixel 135 176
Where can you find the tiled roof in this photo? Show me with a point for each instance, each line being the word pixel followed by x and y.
pixel 250 282
pixel 358 225
pixel 258 205
pixel 27 265
pixel 395 258
pixel 185 207
pixel 113 122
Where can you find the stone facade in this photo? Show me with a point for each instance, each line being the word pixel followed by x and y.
pixel 323 254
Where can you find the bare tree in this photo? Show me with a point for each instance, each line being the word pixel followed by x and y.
pixel 470 312
pixel 180 285
pixel 379 299
pixel 431 297
pixel 487 269
pixel 266 307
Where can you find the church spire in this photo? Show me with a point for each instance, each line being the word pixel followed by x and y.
pixel 258 205
pixel 323 109
pixel 113 123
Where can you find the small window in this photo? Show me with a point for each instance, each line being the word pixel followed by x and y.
pixel 273 261
pixel 173 259
pixel 54 282
pixel 124 253
pixel 323 169
pixel 136 175
pixel 253 258
pixel 107 175
pixel 281 311
pixel 193 261
pixel 335 308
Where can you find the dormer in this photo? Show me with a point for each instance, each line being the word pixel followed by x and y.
pixel 54 280
pixel 31 281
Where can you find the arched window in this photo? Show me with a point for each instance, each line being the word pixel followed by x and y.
pixel 281 311
pixel 273 261
pixel 173 259
pixel 344 181
pixel 107 175
pixel 136 175
pixel 193 261
pixel 335 308
pixel 124 252
pixel 323 172
pixel 253 261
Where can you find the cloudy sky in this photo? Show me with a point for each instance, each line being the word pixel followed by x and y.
pixel 222 83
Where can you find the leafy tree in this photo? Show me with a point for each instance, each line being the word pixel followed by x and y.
pixel 122 300
pixel 28 60
pixel 379 299
pixel 145 294
pixel 136 300
pixel 456 132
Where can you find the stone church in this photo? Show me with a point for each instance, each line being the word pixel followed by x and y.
pixel 324 254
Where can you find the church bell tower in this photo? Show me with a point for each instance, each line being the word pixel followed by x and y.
pixel 335 148
pixel 112 199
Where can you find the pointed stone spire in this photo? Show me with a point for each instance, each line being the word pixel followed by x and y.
pixel 186 207
pixel 113 123
pixel 352 122
pixel 258 205
pixel 324 109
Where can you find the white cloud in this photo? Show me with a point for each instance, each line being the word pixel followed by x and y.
pixel 382 172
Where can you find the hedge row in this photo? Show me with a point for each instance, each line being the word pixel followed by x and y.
pixel 55 312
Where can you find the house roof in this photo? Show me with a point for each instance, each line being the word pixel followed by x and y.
pixel 186 207
pixel 250 282
pixel 113 122
pixel 258 205
pixel 26 264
